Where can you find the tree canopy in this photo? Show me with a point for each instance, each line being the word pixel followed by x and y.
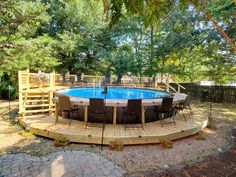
pixel 190 40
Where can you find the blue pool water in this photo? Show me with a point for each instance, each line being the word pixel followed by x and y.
pixel 114 93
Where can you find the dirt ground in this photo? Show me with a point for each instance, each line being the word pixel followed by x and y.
pixel 217 165
pixel 137 160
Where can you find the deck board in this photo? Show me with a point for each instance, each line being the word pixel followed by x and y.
pixel 152 132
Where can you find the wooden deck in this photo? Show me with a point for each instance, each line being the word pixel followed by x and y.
pixel 77 132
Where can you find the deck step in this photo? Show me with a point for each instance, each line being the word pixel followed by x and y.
pixel 38 92
pixel 36 105
pixel 35 101
pixel 37 110
pixel 36 115
pixel 37 96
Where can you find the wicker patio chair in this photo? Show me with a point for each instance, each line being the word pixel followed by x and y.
pixel 166 111
pixel 97 108
pixel 133 109
pixel 65 109
pixel 184 106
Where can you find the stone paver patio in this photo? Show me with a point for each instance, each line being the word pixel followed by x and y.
pixel 63 163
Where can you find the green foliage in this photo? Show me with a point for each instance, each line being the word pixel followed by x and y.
pixel 116 145
pixel 146 38
pixel 33 53
pixel 6 81
pixel 61 141
pixel 21 46
pixel 26 134
pixel 166 143
pixel 211 125
pixel 76 26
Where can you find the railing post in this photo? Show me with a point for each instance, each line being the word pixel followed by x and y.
pixel 167 88
pixel 178 89
pixel 51 90
pixel 27 79
pixel 96 80
pixel 50 102
pixel 20 94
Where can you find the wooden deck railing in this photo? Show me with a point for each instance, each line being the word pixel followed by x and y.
pixel 34 86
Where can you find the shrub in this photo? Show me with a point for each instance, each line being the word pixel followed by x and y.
pixel 200 136
pixel 61 141
pixel 116 145
pixel 166 143
pixel 4 88
pixel 211 125
pixel 26 133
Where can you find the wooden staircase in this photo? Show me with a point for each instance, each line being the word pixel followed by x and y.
pixel 37 103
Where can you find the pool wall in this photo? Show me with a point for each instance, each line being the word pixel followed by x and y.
pixel 150 114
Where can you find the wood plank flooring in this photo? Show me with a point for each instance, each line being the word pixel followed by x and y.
pixel 152 132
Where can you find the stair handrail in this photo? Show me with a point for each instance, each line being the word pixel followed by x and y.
pixel 156 86
pixel 169 86
pixel 179 86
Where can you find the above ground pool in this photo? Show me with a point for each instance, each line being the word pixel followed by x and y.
pixel 114 93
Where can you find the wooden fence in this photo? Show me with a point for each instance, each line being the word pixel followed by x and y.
pixel 218 94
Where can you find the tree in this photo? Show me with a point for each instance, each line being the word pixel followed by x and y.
pixel 76 25
pixel 20 45
pixel 155 11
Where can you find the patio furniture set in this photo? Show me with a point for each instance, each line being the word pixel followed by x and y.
pixel 132 111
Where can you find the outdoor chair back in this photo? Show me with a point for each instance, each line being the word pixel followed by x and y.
pixel 133 110
pixel 187 102
pixel 185 107
pixel 64 103
pixel 97 111
pixel 166 104
pixel 96 105
pixel 166 111
pixel 64 106
pixel 134 106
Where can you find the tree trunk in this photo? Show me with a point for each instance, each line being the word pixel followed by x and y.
pixel 216 25
pixel 221 30
pixel 152 42
pixel 108 76
pixel 63 77
pixel 162 70
pixel 79 74
pixel 119 78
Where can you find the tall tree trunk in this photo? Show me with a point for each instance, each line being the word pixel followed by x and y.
pixel 216 25
pixel 221 30
pixel 79 74
pixel 119 78
pixel 108 76
pixel 162 69
pixel 152 42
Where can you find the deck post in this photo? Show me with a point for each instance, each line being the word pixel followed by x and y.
pixel 167 87
pixel 96 80
pixel 114 116
pixel 51 89
pixel 27 79
pixel 178 89
pixel 86 116
pixel 143 116
pixel 20 94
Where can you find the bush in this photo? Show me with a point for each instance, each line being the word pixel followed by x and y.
pixel 116 145
pixel 26 133
pixel 4 88
pixel 200 136
pixel 211 125
pixel 61 141
pixel 166 143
